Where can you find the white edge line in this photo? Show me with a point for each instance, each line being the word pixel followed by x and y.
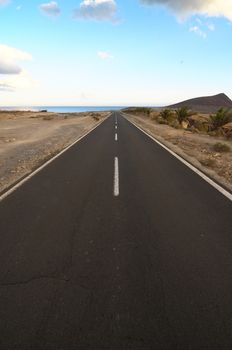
pixel 190 166
pixel 28 177
pixel 116 177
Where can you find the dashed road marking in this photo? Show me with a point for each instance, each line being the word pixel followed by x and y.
pixel 116 177
pixel 116 137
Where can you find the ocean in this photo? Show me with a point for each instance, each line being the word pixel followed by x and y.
pixel 65 109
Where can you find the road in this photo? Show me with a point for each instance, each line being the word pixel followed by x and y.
pixel 116 245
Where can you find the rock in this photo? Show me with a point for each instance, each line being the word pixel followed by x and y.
pixel 185 124
pixel 200 122
pixel 227 129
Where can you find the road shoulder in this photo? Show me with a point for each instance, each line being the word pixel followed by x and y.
pixel 180 146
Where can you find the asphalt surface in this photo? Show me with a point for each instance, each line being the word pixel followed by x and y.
pixel 83 269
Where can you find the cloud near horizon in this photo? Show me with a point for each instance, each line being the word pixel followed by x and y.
pixel 184 8
pixel 99 10
pixel 9 56
pixel 50 9
pixel 15 76
pixel 6 87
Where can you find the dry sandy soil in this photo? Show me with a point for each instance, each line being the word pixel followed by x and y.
pixel 28 139
pixel 195 148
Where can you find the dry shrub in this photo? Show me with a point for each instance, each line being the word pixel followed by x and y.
pixel 208 162
pixel 221 147
pixel 48 117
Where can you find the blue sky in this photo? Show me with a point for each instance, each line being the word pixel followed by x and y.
pixel 113 52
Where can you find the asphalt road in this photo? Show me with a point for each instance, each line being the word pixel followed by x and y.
pixel 116 245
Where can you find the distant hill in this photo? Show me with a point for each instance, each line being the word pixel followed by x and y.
pixel 207 104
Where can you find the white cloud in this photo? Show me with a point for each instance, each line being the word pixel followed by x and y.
pixel 202 28
pixel 14 75
pixel 9 56
pixel 99 10
pixel 184 8
pixel 20 81
pixel 198 31
pixel 51 9
pixel 104 55
pixel 9 68
pixel 6 87
pixel 17 82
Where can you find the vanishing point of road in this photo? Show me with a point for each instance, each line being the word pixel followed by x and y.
pixel 116 245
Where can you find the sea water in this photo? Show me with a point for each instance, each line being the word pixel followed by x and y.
pixel 65 109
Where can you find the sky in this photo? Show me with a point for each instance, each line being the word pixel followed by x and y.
pixel 113 52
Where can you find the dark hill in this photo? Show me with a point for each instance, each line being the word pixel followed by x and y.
pixel 207 104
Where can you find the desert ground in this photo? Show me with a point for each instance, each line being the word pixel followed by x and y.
pixel 197 147
pixel 28 139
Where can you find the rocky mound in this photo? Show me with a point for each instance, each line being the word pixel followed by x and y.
pixel 207 104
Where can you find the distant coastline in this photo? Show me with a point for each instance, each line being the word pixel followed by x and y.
pixel 63 109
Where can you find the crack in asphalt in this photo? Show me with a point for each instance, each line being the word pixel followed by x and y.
pixel 36 278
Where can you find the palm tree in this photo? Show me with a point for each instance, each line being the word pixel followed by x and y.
pixel 166 113
pixel 182 114
pixel 221 118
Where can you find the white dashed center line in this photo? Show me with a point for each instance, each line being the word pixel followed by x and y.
pixel 116 177
pixel 116 137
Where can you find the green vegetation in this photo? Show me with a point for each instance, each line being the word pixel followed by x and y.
pixel 185 118
pixel 96 117
pixel 139 110
pixel 222 117
pixel 221 147
pixel 166 114
pixel 182 114
pixel 200 127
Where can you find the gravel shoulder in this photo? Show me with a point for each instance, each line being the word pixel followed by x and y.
pixel 197 149
pixel 28 139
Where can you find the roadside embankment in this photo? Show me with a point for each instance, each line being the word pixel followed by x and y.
pixel 210 154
